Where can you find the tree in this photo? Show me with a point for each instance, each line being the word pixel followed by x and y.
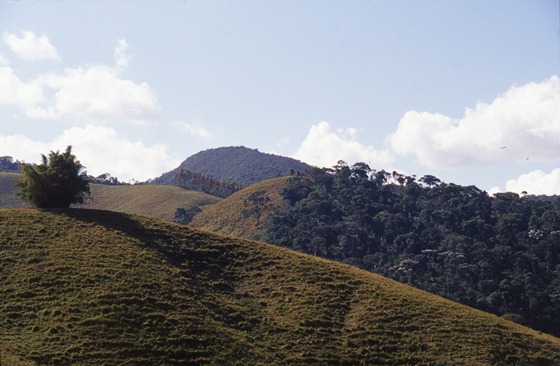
pixel 56 183
pixel 256 204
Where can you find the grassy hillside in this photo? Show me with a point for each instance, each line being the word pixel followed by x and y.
pixel 88 287
pixel 159 201
pixel 226 217
pixel 8 190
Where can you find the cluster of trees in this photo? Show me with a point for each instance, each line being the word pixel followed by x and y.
pixel 7 164
pixel 59 181
pixel 199 182
pixel 500 254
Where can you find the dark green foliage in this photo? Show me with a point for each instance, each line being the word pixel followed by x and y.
pixel 56 183
pixel 184 215
pixel 499 254
pixel 199 182
pixel 238 165
pixel 7 164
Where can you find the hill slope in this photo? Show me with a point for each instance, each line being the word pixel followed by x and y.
pixel 8 190
pixel 159 201
pixel 236 164
pixel 226 217
pixel 88 287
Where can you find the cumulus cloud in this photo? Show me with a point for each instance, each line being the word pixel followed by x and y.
pixel 194 130
pixel 15 92
pixel 94 94
pixel 522 123
pixel 31 47
pixel 536 182
pixel 100 149
pixel 324 148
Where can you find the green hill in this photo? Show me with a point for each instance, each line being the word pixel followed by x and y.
pixel 235 164
pixel 89 287
pixel 226 217
pixel 8 190
pixel 159 201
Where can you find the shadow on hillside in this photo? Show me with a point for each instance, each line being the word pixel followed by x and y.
pixel 125 224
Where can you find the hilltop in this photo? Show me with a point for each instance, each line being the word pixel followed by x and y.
pixel 103 288
pixel 235 164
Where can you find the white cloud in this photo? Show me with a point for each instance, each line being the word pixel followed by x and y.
pixel 121 57
pixel 522 123
pixel 15 92
pixel 194 130
pixel 95 94
pixel 536 182
pixel 324 148
pixel 100 149
pixel 31 47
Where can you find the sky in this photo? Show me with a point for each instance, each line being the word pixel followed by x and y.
pixel 465 90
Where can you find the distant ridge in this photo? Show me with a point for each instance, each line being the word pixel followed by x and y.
pixel 235 164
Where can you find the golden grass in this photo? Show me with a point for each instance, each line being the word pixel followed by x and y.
pixel 226 217
pixel 89 287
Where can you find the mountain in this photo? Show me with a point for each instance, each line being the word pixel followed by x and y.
pixel 89 287
pixel 159 201
pixel 235 164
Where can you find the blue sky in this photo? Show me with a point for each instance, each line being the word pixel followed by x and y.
pixel 464 90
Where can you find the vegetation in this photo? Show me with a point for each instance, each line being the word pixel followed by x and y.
pixel 238 165
pixel 56 183
pixel 7 164
pixel 159 201
pixel 500 254
pixel 227 216
pixel 9 190
pixel 199 182
pixel 87 287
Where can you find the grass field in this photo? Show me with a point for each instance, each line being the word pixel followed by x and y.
pixel 159 201
pixel 91 287
pixel 226 217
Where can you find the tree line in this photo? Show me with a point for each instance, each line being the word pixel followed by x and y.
pixel 499 254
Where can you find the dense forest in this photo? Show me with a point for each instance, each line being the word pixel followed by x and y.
pixel 496 253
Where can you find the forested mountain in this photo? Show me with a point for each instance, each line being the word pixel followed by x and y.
pixel 89 287
pixel 236 164
pixel 500 254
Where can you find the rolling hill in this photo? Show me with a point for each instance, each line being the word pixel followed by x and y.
pixel 159 201
pixel 235 164
pixel 8 190
pixel 90 287
pixel 226 217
